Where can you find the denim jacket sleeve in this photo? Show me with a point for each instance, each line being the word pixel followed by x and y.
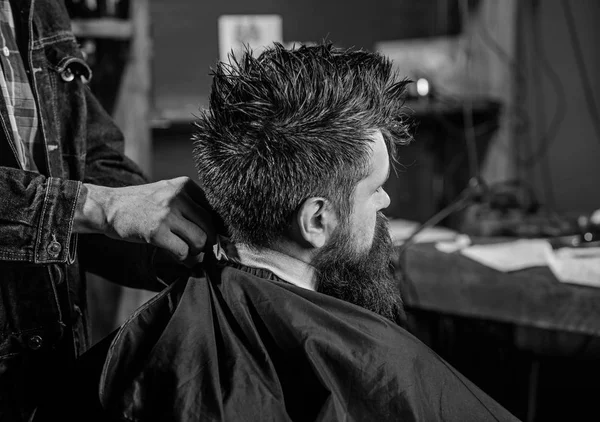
pixel 36 212
pixel 36 217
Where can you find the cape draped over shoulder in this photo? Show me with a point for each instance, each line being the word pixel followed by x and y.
pixel 234 346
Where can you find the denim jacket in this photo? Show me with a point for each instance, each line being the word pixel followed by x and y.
pixel 43 316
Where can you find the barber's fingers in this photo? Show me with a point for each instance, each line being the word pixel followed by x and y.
pixel 188 249
pixel 193 235
pixel 172 243
pixel 183 253
pixel 176 245
pixel 198 197
pixel 198 216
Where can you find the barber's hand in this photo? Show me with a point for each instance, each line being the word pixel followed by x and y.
pixel 169 214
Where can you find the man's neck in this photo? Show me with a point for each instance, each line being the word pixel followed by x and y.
pixel 280 261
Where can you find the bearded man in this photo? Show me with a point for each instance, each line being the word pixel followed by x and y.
pixel 296 316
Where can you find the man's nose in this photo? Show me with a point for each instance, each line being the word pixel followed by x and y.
pixel 385 200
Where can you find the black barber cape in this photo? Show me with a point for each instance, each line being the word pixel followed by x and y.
pixel 236 346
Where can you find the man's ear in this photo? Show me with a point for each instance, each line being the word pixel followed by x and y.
pixel 317 221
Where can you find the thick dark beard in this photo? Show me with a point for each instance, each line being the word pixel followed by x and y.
pixel 366 278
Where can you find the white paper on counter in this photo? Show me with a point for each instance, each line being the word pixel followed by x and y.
pixel 576 265
pixel 569 265
pixel 511 256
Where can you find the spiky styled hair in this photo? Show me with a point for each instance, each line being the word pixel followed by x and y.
pixel 290 125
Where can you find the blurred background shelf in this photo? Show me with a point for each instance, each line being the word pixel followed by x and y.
pixel 103 28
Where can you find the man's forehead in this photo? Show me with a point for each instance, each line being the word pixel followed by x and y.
pixel 380 159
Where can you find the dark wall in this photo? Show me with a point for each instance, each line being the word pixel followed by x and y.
pixel 573 148
pixel 186 45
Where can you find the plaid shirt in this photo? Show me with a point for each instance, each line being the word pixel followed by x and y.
pixel 17 94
